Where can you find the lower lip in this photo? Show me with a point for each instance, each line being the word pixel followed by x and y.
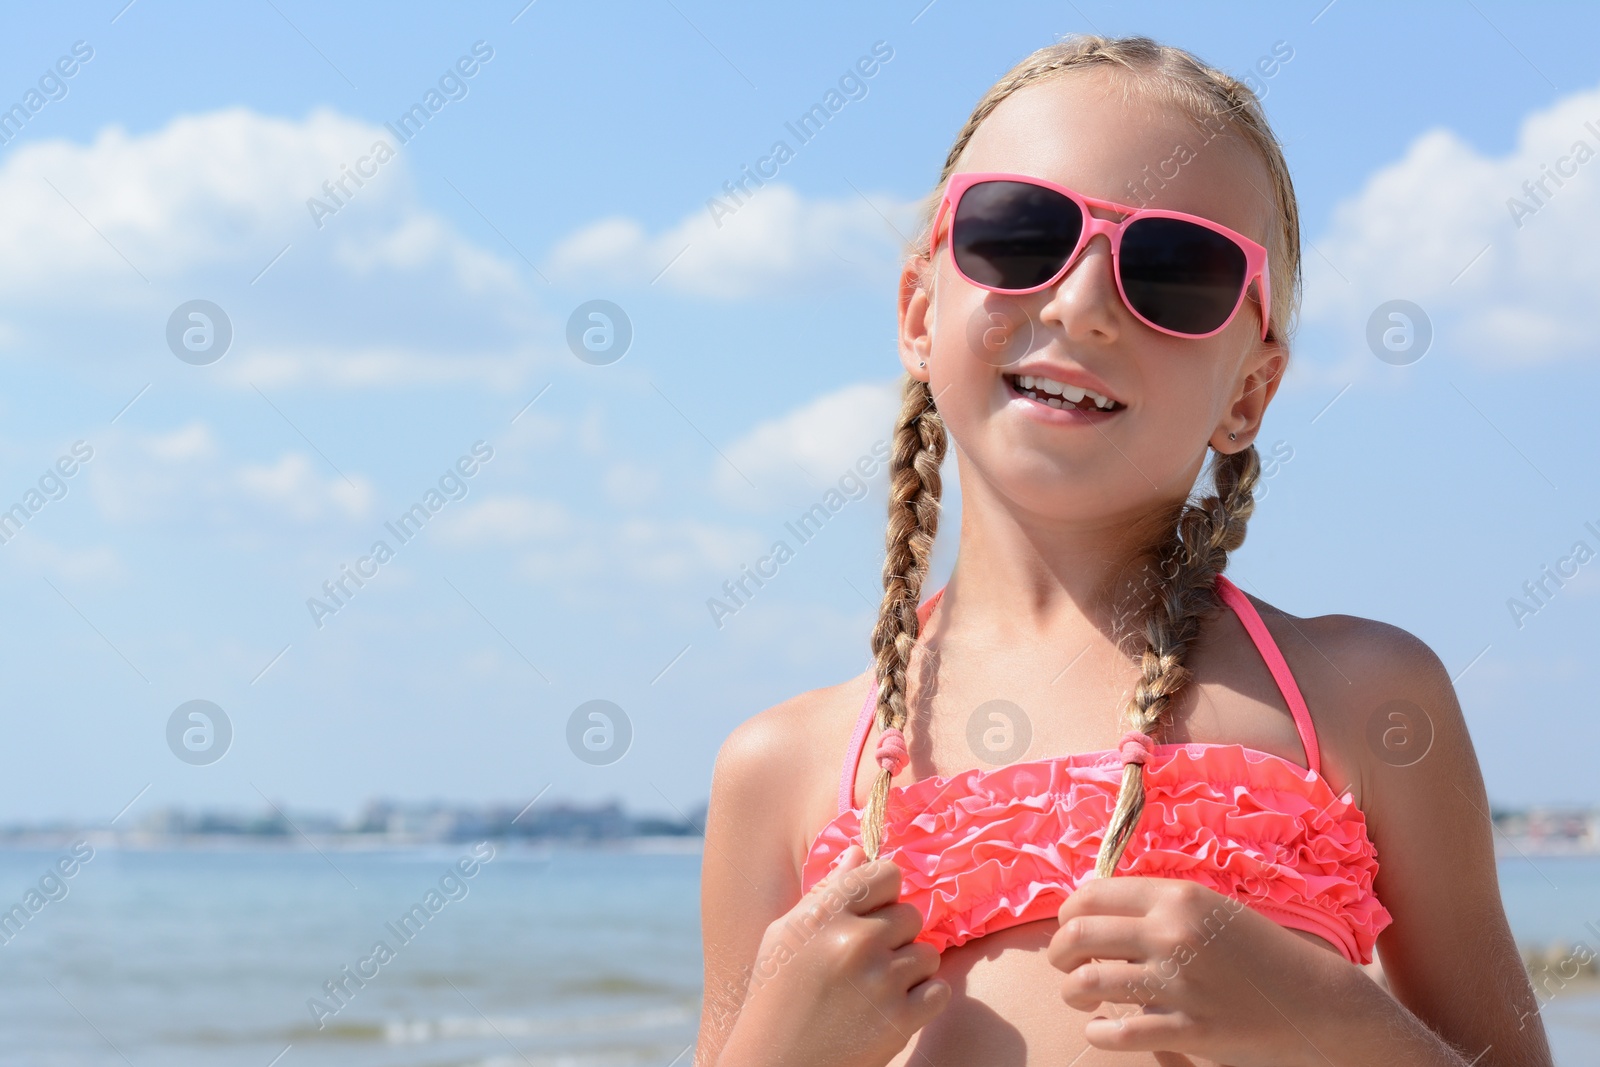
pixel 1038 409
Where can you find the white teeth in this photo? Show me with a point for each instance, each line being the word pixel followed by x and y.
pixel 1050 389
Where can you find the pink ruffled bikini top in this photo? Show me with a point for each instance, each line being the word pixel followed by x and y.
pixel 984 850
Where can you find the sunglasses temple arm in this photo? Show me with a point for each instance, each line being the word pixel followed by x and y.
pixel 938 221
pixel 1264 290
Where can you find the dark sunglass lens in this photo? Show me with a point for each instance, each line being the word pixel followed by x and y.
pixel 1013 235
pixel 1180 276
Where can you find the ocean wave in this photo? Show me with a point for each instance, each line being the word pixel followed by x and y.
pixel 545 986
pixel 618 985
pixel 419 1031
pixel 332 1030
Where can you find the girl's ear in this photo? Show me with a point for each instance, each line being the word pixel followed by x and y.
pixel 916 318
pixel 1259 379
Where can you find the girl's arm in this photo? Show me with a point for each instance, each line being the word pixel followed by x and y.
pixel 1449 955
pixel 832 978
pixel 747 874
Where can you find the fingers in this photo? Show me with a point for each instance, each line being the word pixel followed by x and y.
pixel 1097 982
pixel 850 859
pixel 1132 1031
pixel 913 964
pixel 1099 937
pixel 867 885
pixel 1122 895
pixel 868 889
pixel 849 884
pixel 926 1000
pixel 899 923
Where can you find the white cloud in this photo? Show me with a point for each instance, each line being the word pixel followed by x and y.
pixel 180 475
pixel 776 244
pixel 365 367
pixel 802 452
pixel 184 196
pixel 629 483
pixel 657 552
pixel 422 239
pixel 99 241
pixel 670 550
pixel 1437 227
pixel 565 564
pixel 556 546
pixel 193 441
pixel 96 564
pixel 506 519
pixel 292 486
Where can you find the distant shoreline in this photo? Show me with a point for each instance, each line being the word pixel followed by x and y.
pixel 1513 848
pixel 676 844
pixel 1504 848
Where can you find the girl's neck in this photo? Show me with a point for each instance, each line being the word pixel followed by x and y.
pixel 1019 584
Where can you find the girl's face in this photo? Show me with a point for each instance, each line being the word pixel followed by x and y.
pixel 1174 395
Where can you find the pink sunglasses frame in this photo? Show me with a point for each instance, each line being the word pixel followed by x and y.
pixel 1254 254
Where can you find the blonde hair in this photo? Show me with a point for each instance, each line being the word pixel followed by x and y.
pixel 1197 536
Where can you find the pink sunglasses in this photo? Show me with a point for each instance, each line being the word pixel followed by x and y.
pixel 1181 274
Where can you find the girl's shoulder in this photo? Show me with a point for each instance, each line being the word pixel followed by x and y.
pixel 780 767
pixel 1381 701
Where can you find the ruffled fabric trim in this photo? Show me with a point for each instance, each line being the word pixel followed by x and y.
pixel 988 849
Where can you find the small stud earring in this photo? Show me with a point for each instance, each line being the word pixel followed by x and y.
pixel 922 363
pixel 1233 437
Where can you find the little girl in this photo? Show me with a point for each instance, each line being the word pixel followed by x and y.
pixel 1114 811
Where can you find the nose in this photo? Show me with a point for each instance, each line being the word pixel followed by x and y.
pixel 1085 301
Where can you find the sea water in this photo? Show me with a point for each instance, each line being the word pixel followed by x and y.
pixel 220 957
pixel 215 957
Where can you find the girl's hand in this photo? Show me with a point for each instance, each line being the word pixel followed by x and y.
pixel 1186 969
pixel 838 980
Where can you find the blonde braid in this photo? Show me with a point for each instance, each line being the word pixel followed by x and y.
pixel 918 451
pixel 1196 553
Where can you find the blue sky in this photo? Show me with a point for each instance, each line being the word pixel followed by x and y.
pixel 381 338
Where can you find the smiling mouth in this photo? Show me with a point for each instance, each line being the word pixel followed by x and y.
pixel 1060 395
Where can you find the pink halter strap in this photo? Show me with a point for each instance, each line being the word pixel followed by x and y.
pixel 1234 597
